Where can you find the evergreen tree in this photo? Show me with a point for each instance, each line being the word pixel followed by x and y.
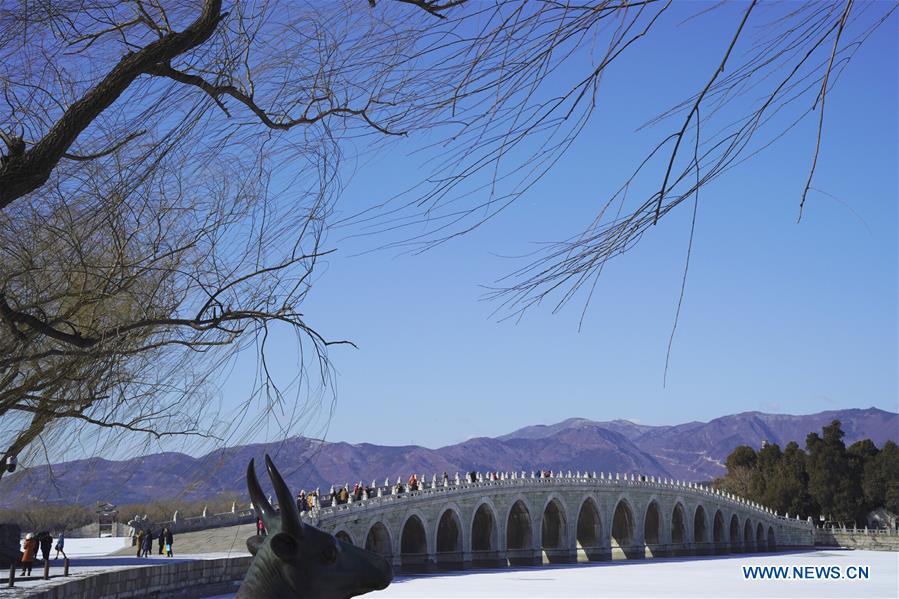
pixel 764 487
pixel 740 467
pixel 830 472
pixel 880 479
pixel 861 455
pixel 790 484
pixel 843 484
pixel 742 457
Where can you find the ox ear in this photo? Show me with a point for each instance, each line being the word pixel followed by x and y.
pixel 253 544
pixel 285 546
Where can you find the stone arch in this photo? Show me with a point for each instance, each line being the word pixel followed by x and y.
pixel 484 527
pixel 448 538
pixel 554 531
pixel 588 534
pixel 748 537
pixel 623 531
pixel 772 541
pixel 760 537
pixel 519 534
pixel 377 539
pixel 344 536
pixel 652 529
pixel 678 525
pixel 413 543
pixel 700 530
pixel 718 534
pixel 734 536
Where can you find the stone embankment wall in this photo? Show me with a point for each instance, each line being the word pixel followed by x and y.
pixel 181 525
pixel 877 540
pixel 182 580
pixel 178 525
pixel 193 523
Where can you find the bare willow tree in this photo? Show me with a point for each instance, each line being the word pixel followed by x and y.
pixel 168 174
pixel 171 170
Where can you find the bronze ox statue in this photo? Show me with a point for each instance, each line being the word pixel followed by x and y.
pixel 298 561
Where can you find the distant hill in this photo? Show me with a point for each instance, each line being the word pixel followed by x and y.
pixel 693 451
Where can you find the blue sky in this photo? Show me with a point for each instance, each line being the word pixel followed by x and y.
pixel 777 316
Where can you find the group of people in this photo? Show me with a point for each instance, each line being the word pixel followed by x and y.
pixel 336 496
pixel 360 491
pixel 306 501
pixel 144 542
pixel 411 485
pixel 341 495
pixel 42 542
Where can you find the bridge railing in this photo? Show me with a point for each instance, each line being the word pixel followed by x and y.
pixel 857 531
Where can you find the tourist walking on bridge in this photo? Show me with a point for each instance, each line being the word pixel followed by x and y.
pixel 140 541
pixel 162 540
pixel 169 543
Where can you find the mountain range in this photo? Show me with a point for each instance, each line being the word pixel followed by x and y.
pixel 694 451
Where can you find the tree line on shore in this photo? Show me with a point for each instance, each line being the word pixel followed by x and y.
pixel 842 484
pixel 55 516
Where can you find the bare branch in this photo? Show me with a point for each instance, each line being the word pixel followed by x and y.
pixel 695 109
pixel 23 173
pixel 822 96
pixel 107 151
pixel 216 91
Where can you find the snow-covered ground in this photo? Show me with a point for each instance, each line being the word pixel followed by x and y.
pixel 91 556
pixel 713 577
pixel 93 547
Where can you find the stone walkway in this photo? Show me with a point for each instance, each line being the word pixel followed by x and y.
pixel 84 567
pixel 200 545
pixel 229 540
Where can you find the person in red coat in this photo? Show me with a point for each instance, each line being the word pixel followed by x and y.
pixel 29 552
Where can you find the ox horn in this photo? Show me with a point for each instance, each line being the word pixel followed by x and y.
pixel 265 509
pixel 290 516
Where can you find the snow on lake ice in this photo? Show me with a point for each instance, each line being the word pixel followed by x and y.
pixel 711 577
pixel 92 547
pixel 694 577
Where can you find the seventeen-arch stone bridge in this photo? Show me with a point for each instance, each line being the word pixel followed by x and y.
pixel 527 520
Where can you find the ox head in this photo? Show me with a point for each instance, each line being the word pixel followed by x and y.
pixel 296 560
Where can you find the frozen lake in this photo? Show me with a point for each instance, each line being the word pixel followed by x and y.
pixel 709 577
pixel 712 577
